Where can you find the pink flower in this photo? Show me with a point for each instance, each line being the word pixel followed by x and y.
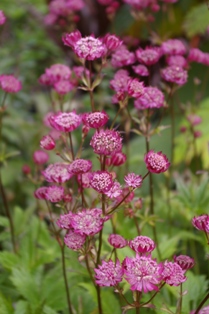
pixel 40 193
pixel 118 159
pixel 201 222
pixel 40 157
pixel 26 169
pixel 84 179
pixel 197 133
pixel 79 166
pixel 108 274
pixel 142 273
pixel 112 42
pixel 135 88
pixel 55 193
pixel 10 84
pixel 47 142
pixel 106 142
pixel 2 18
pixel 65 121
pixel 149 55
pixel 95 119
pixel 122 57
pixel 64 222
pixel 63 87
pixel 133 180
pixel 196 55
pixel 173 47
pixel 74 241
pixel 89 48
pixel 101 181
pixel 156 162
pixel 142 244
pixel 120 81
pixel 194 119
pixel 184 261
pixel 71 39
pixel 57 172
pixel 204 310
pixel 174 74
pixel 88 221
pixel 141 4
pixel 152 98
pixel 141 70
pixel 117 241
pixel 58 72
pixel 176 61
pixel 173 274
pixel 115 191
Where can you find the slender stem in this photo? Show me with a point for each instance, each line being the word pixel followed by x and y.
pixel 99 299
pixel 113 122
pixel 202 303
pixel 152 297
pixel 179 306
pixel 99 248
pixel 8 214
pixel 71 145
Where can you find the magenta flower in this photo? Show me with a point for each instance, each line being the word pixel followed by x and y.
pixel 177 60
pixel 115 191
pixel 65 121
pixel 40 193
pixel 112 42
pixel 173 47
pixel 173 274
pixel 196 55
pixel 64 222
pixel 133 180
pixel 106 142
pixel 118 159
pixel 109 273
pixel 58 72
pixel 57 172
pixel 152 98
pixel 135 88
pixel 74 241
pixel 122 57
pixel 120 81
pixel 89 48
pixel 194 119
pixel 141 70
pixel 184 261
pixel 95 119
pixel 55 193
pixel 201 222
pixel 2 17
pixel 156 162
pixel 101 181
pixel 88 221
pixel 40 157
pixel 10 84
pixel 47 142
pixel 142 273
pixel 84 179
pixel 63 87
pixel 79 166
pixel 174 74
pixel 71 39
pixel 142 244
pixel 117 241
pixel 149 55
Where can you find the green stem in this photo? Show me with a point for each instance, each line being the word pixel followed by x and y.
pixel 202 303
pixel 71 145
pixel 8 214
pixel 179 306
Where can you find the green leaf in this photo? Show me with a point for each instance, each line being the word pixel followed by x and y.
pixel 5 305
pixel 197 20
pixel 8 260
pixel 4 222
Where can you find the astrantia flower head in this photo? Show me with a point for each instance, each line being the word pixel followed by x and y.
pixel 133 180
pixel 84 179
pixel 184 261
pixel 47 142
pixel 58 72
pixel 108 274
pixel 40 193
pixel 10 84
pixel 142 273
pixel 2 18
pixel 201 222
pixel 79 166
pixel 173 47
pixel 194 119
pixel 65 121
pixel 112 42
pixel 101 181
pixel 156 162
pixel 63 87
pixel 118 159
pixel 135 88
pixel 151 98
pixel 122 57
pixel 89 48
pixel 149 55
pixel 141 70
pixel 174 74
pixel 64 222
pixel 176 61
pixel 40 157
pixel 142 244
pixel 115 191
pixel 120 81
pixel 74 241
pixel 106 142
pixel 57 172
pixel 173 274
pixel 95 119
pixel 196 55
pixel 55 193
pixel 71 38
pixel 117 241
pixel 88 221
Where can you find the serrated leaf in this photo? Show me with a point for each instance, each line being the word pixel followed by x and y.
pixel 9 260
pixel 197 20
pixel 5 305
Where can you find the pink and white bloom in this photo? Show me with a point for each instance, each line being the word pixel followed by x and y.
pixel 133 180
pixel 109 273
pixel 47 142
pixel 151 98
pixel 57 172
pixel 117 241
pixel 175 74
pixel 63 87
pixel 196 55
pixel 55 193
pixel 156 162
pixel 135 88
pixel 71 38
pixel 141 70
pixel 89 48
pixel 184 261
pixel 115 191
pixel 101 181
pixel 64 222
pixel 111 42
pixel 173 47
pixel 73 240
pixel 80 166
pixel 40 157
pixel 118 159
pixel 176 60
pixel 173 274
pixel 40 193
pixel 142 273
pixel 58 72
pixel 122 56
pixel 95 119
pixel 149 55
pixel 65 121
pixel 10 84
pixel 201 222
pixel 142 244
pixel 106 142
